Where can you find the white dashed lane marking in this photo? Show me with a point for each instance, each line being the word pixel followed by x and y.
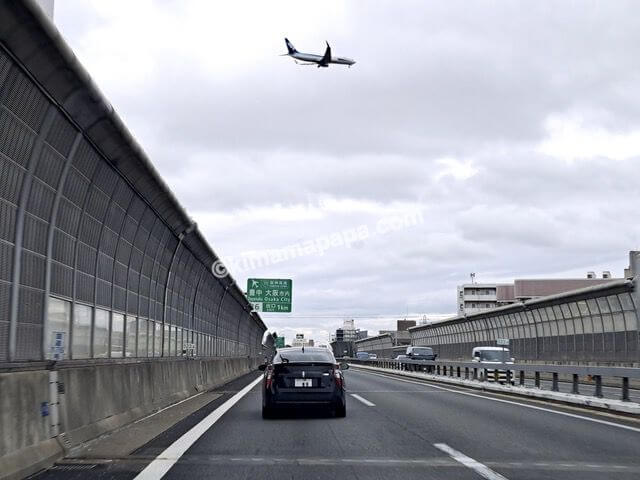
pixel 363 400
pixel 479 468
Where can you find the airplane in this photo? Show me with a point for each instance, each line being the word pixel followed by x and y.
pixel 311 59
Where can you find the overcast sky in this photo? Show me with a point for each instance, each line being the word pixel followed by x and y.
pixel 501 138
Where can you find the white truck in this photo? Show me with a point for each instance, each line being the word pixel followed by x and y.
pixel 491 355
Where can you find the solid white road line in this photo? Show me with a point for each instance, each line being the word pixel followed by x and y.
pixel 163 462
pixel 533 407
pixel 363 400
pixel 474 465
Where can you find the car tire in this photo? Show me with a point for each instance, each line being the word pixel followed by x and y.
pixel 267 412
pixel 340 411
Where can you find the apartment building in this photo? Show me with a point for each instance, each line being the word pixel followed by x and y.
pixel 475 297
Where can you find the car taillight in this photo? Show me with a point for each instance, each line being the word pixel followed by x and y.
pixel 269 377
pixel 337 375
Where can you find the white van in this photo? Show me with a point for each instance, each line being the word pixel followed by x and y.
pixel 494 355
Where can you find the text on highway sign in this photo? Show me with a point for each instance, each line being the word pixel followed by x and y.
pixel 270 294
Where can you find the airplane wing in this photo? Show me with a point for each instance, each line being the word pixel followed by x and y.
pixel 327 56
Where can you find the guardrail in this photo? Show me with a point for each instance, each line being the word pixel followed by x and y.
pixel 471 370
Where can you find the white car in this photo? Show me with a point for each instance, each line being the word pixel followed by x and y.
pixel 497 355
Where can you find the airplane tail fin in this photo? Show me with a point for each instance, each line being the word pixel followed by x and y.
pixel 290 46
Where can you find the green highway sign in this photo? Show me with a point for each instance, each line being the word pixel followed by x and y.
pixel 279 342
pixel 269 294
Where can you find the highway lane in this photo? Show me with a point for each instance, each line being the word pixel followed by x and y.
pixel 518 442
pixel 398 429
pixel 399 433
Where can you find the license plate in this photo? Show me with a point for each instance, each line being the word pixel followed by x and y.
pixel 303 382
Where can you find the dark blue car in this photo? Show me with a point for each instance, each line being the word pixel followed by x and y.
pixel 303 377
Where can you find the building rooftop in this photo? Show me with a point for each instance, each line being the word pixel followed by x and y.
pixel 540 287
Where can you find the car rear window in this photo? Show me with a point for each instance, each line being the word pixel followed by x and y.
pixel 304 357
pixel 422 351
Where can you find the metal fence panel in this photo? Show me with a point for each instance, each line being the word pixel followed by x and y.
pixel 85 220
pixel 598 324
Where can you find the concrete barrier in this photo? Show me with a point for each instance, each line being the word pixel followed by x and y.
pixel 24 433
pixel 94 398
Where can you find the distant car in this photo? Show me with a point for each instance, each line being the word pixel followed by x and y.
pixel 420 353
pixel 373 356
pixel 494 355
pixel 401 357
pixel 303 376
pixel 363 355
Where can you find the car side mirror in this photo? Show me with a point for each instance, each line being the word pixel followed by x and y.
pixel 344 366
pixel 262 367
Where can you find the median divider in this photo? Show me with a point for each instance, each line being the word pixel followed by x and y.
pixel 586 401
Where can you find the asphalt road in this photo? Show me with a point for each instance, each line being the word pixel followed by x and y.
pixel 394 429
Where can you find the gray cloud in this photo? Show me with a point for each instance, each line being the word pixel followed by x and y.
pixel 445 112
